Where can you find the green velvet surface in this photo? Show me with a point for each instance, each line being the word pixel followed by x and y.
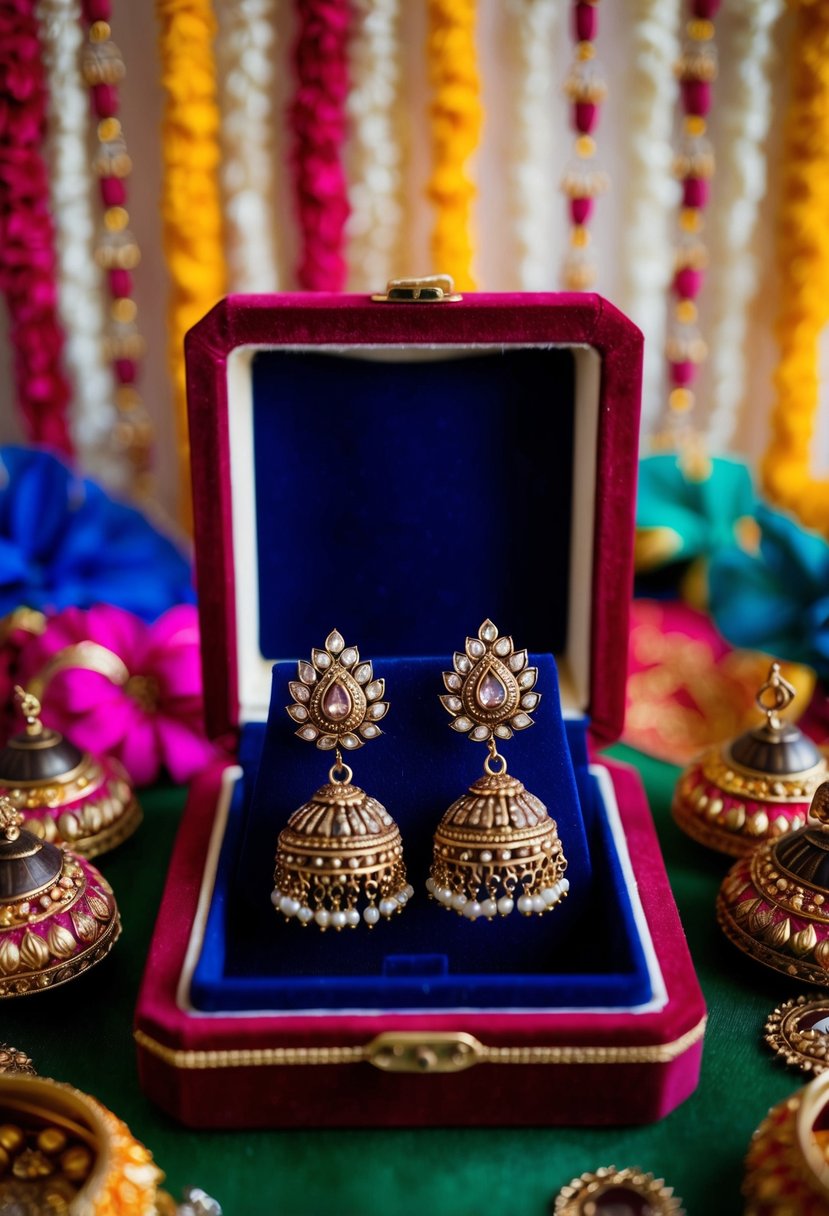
pixel 82 1033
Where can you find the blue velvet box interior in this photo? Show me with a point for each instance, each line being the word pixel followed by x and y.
pixel 403 502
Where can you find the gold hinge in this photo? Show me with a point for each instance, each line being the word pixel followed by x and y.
pixel 414 1052
pixel 431 289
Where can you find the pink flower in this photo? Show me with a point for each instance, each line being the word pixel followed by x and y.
pixel 115 684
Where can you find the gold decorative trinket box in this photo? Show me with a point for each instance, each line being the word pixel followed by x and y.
pixel 62 1151
pixel 787 1166
pixel 65 795
pixel 774 904
pixel 755 788
pixel 57 913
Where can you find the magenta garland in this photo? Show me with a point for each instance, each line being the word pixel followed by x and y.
pixel 318 119
pixel 27 250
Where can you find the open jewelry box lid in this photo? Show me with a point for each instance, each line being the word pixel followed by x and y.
pixel 559 374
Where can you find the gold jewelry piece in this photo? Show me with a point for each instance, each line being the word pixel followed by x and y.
pixel 12 1060
pixel 798 1031
pixel 57 913
pixel 787 1165
pixel 609 1192
pixel 66 796
pixel 755 788
pixel 496 848
pixel 340 857
pixel 774 904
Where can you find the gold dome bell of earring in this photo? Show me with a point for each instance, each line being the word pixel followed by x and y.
pixel 66 796
pixel 774 903
pixel 755 788
pixel 496 847
pixel 57 913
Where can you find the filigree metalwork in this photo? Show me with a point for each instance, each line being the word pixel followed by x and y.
pixel 336 700
pixel 490 691
pixel 608 1190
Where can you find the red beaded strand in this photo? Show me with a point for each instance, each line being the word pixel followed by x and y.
pixel 117 252
pixel 694 166
pixel 28 270
pixel 586 90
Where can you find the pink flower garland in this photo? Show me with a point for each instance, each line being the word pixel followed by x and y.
pixel 27 254
pixel 318 117
pixel 112 683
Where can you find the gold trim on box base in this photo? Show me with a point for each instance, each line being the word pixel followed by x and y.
pixel 60 973
pixel 418 1046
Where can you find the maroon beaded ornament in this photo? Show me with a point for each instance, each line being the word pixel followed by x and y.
pixel 694 166
pixel 117 252
pixel 586 90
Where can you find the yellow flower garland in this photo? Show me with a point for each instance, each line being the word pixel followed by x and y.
pixel 456 125
pixel 191 202
pixel 803 260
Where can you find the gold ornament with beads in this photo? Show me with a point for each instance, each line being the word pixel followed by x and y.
pixel 496 849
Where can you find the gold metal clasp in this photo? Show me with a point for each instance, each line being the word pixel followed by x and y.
pixel 430 289
pixel 413 1052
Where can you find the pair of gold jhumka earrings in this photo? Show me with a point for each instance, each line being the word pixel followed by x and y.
pixel 339 860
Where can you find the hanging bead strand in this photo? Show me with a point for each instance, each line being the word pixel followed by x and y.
pixel 117 251
pixel 585 179
pixel 28 270
pixel 694 166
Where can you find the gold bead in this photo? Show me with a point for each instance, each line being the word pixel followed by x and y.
pixel 116 218
pixel 52 1140
pixel 127 398
pixel 700 29
pixel 690 219
pixel 585 146
pixel 11 1137
pixel 108 128
pixel 585 51
pixel 695 125
pixel 579 237
pixel 680 400
pixel 4 1160
pixel 686 312
pixel 99 31
pixel 124 310
pixel 76 1163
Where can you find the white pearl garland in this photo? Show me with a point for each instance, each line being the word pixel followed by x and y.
pixel 473 910
pixel 80 283
pixel 244 54
pixel 340 918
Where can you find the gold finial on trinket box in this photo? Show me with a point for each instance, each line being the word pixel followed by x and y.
pixel 497 847
pixel 339 858
pixel 66 795
pixel 774 903
pixel 757 786
pixel 57 913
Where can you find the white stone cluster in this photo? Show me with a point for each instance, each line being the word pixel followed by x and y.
pixel 342 918
pixel 470 908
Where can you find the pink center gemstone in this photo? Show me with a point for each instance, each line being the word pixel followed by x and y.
pixel 336 703
pixel 490 693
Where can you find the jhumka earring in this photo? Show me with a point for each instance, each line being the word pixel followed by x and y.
pixel 339 859
pixel 496 848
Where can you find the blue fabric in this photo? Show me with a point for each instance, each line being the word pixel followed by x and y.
pixel 405 503
pixel 585 952
pixel 65 543
pixel 776 599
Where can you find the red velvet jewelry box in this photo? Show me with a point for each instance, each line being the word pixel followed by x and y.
pixel 402 471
